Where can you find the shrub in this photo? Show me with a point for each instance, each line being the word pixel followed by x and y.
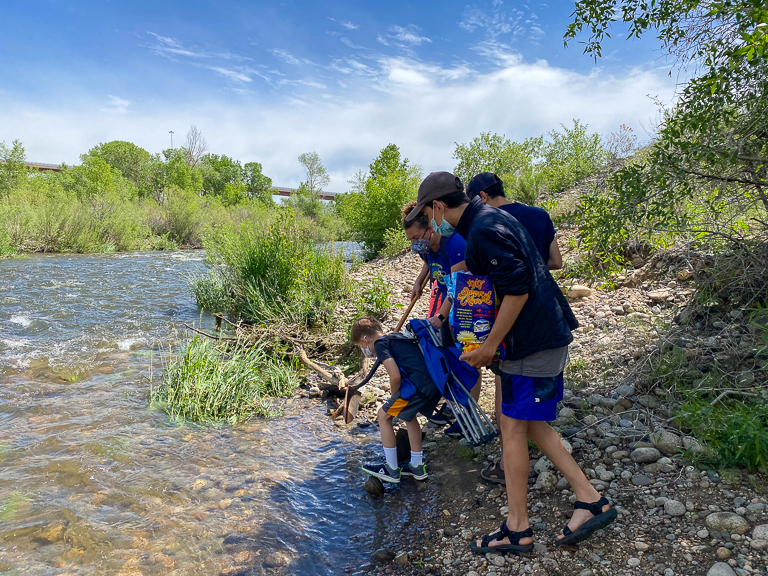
pixel 374 299
pixel 209 383
pixel 571 156
pixel 277 273
pixel 395 242
pixel 527 187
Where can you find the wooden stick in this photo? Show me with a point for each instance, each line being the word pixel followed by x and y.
pixel 210 335
pixel 338 380
pixel 410 306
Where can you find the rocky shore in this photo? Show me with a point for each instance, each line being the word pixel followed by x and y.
pixel 674 517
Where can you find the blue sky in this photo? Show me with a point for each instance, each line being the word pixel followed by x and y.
pixel 265 82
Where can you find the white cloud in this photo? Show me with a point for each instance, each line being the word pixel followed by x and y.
pixel 232 75
pixel 408 35
pixel 116 105
pixel 424 108
pixel 349 25
pixel 351 44
pixel 170 48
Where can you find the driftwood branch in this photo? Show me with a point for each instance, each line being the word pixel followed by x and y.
pixel 333 377
pixel 211 336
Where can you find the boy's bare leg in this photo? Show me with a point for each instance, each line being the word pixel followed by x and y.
pixel 387 430
pixel 414 434
pixel 515 434
pixel 550 443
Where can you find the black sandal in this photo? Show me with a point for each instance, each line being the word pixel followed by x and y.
pixel 514 541
pixel 493 473
pixel 601 520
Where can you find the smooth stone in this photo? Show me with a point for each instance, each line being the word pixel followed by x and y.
pixel 667 442
pixel 384 555
pixel 641 480
pixel 726 521
pixel 579 291
pixel 723 553
pixel 642 546
pixel 625 390
pixel 760 532
pixel 374 487
pixel 721 569
pixel 546 480
pixel 674 508
pixel 645 455
pixel 402 558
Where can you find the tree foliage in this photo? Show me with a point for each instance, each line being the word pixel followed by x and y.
pixel 704 177
pixel 12 166
pixel 374 205
pixel 133 162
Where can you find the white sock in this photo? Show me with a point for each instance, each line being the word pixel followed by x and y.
pixel 416 458
pixel 391 455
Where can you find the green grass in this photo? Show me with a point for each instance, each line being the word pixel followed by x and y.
pixel 209 383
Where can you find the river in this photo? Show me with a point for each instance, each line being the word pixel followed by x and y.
pixel 94 482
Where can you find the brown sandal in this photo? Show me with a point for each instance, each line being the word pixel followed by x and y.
pixel 493 473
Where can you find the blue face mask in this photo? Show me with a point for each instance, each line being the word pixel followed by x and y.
pixel 420 246
pixel 444 229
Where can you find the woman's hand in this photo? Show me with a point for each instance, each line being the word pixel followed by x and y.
pixel 436 322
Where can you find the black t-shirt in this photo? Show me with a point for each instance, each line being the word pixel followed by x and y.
pixel 408 357
pixel 536 222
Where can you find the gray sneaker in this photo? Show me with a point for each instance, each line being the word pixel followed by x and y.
pixel 383 472
pixel 418 472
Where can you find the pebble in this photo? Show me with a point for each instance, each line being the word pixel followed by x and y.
pixel 723 553
pixel 760 532
pixel 633 562
pixel 642 546
pixel 641 480
pixel 498 561
pixel 721 569
pixel 645 455
pixel 674 508
pixel 384 555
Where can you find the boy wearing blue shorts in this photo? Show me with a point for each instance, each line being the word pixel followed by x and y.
pixel 412 392
pixel 535 322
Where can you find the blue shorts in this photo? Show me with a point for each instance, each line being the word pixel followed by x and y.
pixel 530 398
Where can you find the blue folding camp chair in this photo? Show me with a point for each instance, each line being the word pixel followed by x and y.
pixel 454 378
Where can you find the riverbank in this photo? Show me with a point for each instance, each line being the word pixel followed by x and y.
pixel 675 516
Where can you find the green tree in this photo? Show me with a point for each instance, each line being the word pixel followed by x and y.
pixel 132 161
pixel 218 171
pixel 95 178
pixel 258 185
pixel 375 203
pixel 12 167
pixel 493 153
pixel 317 177
pixel 570 156
pixel 705 176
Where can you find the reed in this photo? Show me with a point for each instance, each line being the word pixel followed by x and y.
pixel 211 382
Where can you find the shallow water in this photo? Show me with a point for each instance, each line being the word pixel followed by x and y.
pixel 92 481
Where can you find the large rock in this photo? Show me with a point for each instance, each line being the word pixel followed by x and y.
pixel 625 390
pixel 659 295
pixel 648 401
pixel 728 521
pixel 374 486
pixel 667 442
pixel 579 291
pixel 546 480
pixel 721 569
pixel 674 508
pixel 645 455
pixel 384 555
pixel 760 532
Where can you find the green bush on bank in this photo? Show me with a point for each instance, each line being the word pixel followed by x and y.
pixel 262 274
pixel 209 383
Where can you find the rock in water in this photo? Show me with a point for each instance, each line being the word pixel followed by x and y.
pixel 374 486
pixel 383 555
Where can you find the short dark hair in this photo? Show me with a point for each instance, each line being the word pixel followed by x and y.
pixel 419 220
pixel 486 182
pixel 365 326
pixel 454 199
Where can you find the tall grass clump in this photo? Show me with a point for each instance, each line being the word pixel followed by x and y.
pixel 271 274
pixel 208 383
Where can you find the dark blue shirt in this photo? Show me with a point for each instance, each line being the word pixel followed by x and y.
pixel 450 253
pixel 537 223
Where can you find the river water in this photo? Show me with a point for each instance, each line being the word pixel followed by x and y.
pixel 94 482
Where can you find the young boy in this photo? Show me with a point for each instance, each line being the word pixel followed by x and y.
pixel 412 391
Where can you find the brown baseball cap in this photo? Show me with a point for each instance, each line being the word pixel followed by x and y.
pixel 434 187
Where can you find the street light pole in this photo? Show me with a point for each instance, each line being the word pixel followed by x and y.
pixel 171 133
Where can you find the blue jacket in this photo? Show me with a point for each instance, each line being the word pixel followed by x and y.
pixel 498 246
